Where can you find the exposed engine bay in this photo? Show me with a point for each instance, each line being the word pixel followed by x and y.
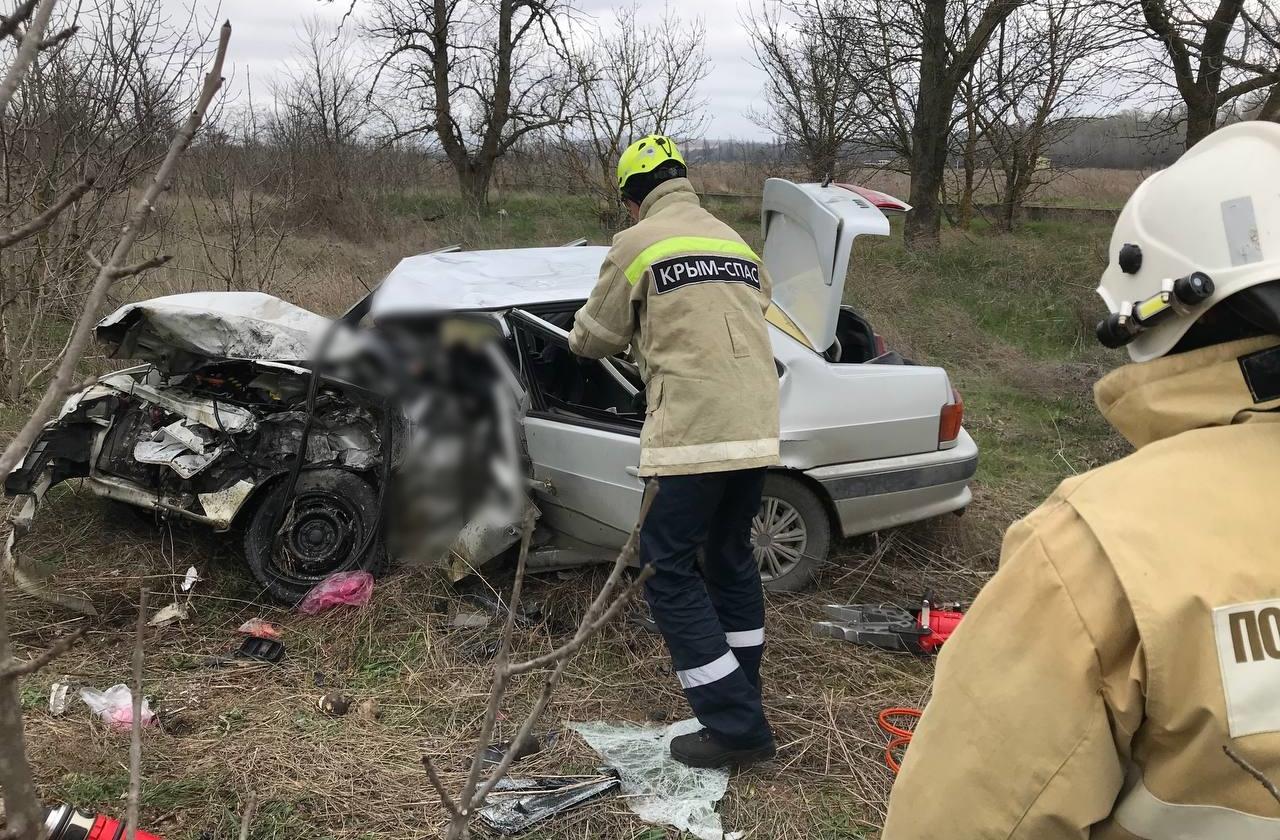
pixel 219 441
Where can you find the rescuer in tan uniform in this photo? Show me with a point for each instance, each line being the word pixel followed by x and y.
pixel 688 296
pixel 1133 629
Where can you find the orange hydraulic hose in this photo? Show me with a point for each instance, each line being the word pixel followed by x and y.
pixel 901 737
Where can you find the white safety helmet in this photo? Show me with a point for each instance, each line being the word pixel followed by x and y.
pixel 1191 236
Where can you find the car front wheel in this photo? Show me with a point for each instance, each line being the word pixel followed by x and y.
pixel 334 516
pixel 791 535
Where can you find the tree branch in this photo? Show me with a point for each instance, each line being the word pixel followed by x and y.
pixel 42 221
pixel 602 609
pixel 130 270
pixel 60 386
pixel 22 808
pixel 26 51
pixel 9 23
pixel 13 670
pixel 1252 771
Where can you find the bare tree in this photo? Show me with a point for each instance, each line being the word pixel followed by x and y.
pixel 953 35
pixel 24 819
pixel 240 225
pixel 482 74
pixel 631 80
pixel 1211 54
pixel 322 113
pixel 95 109
pixel 812 54
pixel 1034 88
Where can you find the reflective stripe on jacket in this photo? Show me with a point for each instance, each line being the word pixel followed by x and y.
pixel 689 296
pixel 1132 631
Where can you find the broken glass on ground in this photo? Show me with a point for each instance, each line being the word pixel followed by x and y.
pixel 518 803
pixel 659 789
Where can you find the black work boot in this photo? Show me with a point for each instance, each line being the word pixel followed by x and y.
pixel 702 749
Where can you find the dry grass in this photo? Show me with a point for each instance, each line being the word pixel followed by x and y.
pixel 229 733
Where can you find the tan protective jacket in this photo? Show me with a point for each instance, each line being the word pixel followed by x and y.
pixel 689 296
pixel 1132 632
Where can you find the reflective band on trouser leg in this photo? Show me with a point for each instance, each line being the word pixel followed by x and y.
pixel 711 672
pixel 748 646
pixel 1143 814
pixel 745 638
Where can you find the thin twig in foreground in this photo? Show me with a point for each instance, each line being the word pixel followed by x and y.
pixel 604 607
pixel 246 819
pixel 135 741
pixel 1252 771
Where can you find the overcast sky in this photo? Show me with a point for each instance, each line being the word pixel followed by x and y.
pixel 265 32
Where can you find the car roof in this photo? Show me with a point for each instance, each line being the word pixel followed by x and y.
pixel 470 281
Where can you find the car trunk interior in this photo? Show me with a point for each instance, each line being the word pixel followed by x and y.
pixel 857 343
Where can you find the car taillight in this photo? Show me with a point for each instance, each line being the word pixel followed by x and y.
pixel 880 348
pixel 950 420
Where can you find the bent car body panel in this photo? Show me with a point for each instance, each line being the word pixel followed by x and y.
pixel 177 331
pixel 477 281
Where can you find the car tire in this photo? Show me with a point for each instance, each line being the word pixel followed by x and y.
pixel 334 511
pixel 790 510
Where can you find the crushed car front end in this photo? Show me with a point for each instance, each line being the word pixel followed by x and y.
pixel 211 427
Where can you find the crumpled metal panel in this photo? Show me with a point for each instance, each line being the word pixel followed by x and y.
pixel 178 331
pixel 231 418
pixel 221 507
pixel 474 281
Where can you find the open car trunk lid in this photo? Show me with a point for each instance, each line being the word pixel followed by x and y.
pixel 808 234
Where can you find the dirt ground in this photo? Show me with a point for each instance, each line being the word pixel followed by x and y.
pixel 1007 315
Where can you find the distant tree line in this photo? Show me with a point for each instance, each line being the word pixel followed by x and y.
pixel 962 95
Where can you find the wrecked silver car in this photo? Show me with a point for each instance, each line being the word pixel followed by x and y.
pixel 210 428
pixel 447 406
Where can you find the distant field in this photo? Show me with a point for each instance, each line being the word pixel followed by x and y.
pixel 1009 316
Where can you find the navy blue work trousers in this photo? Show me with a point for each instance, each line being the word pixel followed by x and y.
pixel 712 617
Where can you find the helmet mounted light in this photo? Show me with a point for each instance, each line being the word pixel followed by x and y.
pixel 1180 295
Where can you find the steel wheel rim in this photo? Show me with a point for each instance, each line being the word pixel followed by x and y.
pixel 779 538
pixel 341 532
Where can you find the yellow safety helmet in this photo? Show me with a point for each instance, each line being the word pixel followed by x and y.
pixel 646 155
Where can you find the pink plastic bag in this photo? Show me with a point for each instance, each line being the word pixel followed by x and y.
pixel 115 707
pixel 351 589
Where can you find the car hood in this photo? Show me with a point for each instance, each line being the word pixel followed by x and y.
pixel 177 332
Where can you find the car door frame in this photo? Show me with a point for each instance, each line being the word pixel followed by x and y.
pixel 585 469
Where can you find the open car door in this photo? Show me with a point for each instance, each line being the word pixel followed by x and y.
pixel 582 433
pixel 809 231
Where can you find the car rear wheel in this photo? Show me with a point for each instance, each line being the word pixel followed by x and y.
pixel 333 514
pixel 791 535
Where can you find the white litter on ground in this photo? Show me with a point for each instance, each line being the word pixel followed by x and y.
pixel 659 789
pixel 167 615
